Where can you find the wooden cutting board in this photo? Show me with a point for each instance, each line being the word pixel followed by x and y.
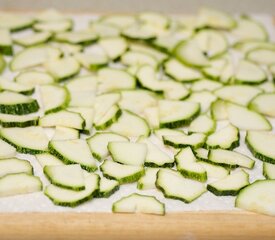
pixel 183 226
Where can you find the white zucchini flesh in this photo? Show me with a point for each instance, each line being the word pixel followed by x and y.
pixel 262 56
pixel 205 85
pixel 33 56
pixel 218 110
pixel 7 151
pixel 14 165
pixel 174 90
pixel 264 104
pixel 230 185
pixel 63 118
pixel 119 21
pixel 68 49
pixel 175 186
pixel 238 94
pixel 67 197
pixel 32 78
pixel 82 83
pixel 245 119
pixel 65 133
pixel 135 58
pixel 269 170
pixel 66 176
pixel 248 45
pixel 204 98
pixel 47 159
pixel 14 22
pixel 82 98
pixel 50 15
pixel 104 30
pixel 19 183
pixel 107 187
pixel 54 26
pixel 86 113
pixel 76 37
pixel 160 133
pixel 258 197
pixel 214 171
pixel 226 138
pixel 151 114
pixel 26 140
pixel 157 20
pixel 114 47
pixel 6 42
pixel 121 152
pixel 74 151
pixel 15 87
pixel 130 125
pixel 202 124
pixel 137 203
pixel 33 39
pixel 139 32
pixel 98 143
pixel 148 180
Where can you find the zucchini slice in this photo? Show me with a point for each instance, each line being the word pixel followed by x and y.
pixel 82 99
pixel 15 165
pixel 261 145
pixel 229 159
pixel 33 39
pixel 65 133
pixel 188 166
pixel 151 114
pixel 98 143
pixel 114 47
pixel 218 110
pixel 110 117
pixel 63 118
pixel 15 22
pixel 154 156
pixel 10 120
pixel 7 151
pixel 107 187
pixel 248 45
pixel 140 32
pixel 148 180
pixel 50 15
pixel 118 20
pixel 174 90
pixel 70 198
pixel 245 119
pixel 130 125
pixel 205 85
pixel 261 56
pixel 93 61
pixel 33 56
pixel 263 103
pixel 225 138
pixel 137 203
pixel 46 159
pixel 73 152
pixel 84 37
pixel 63 68
pixel 54 26
pixel 160 133
pixel 2 64
pixel 54 98
pixel 269 170
pixel 203 98
pixel 82 83
pixel 5 42
pixel 32 78
pixel 17 104
pixel 135 58
pixel 120 152
pixel 258 197
pixel 30 140
pixel 19 183
pixel 214 171
pixel 230 185
pixel 120 172
pixel 6 85
pixel 104 30
pixel 174 114
pixel 180 72
pixel 66 176
pixel 174 185
pixel 155 19
pixel 202 124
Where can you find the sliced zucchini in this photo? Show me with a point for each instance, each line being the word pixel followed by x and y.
pixel 202 124
pixel 245 119
pixel 135 58
pixel 54 26
pixel 174 90
pixel 120 172
pixel 70 198
pixel 65 133
pixel 263 103
pixel 249 73
pixel 140 32
pixel 5 42
pixel 63 118
pixel 137 203
pixel 98 143
pixel 216 69
pixel 258 197
pixel 269 170
pixel 151 114
pixel 54 98
pixel 230 159
pixel 155 19
pixel 118 20
pixel 180 72
pixel 82 99
pixel 110 117
pixel 73 152
pixel 238 94
pixel 15 165
pixel 225 138
pixel 148 180
pixel 63 68
pixel 174 185
pixel 68 49
pixel 130 125
pixel 2 64
pixel 120 152
pixel 201 154
pixel 107 187
pixel 104 30
pixel 9 120
pixel 154 156
pixel 214 171
pixel 194 140
pixel 114 47
pixel 261 56
pixel 218 110
pixel 6 85
pixel 50 15
pixel 84 37
pixel 82 83
pixel 15 22
pixel 230 185
pixel 203 98
pixel 247 45
pixel 33 56
pixel 93 61
pixel 32 78
pixel 160 133
pixel 7 151
pixel 32 140
pixel 188 166
pixel 46 159
pixel 33 39
pixel 205 85
pixel 19 183
pixel 17 104
pixel 261 145
pixel 66 176
pixel 174 114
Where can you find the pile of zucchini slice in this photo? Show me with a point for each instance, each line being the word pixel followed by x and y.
pixel 166 103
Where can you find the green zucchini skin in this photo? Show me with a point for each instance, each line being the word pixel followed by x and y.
pixel 107 193
pixel 6 50
pixel 33 122
pixel 154 165
pixel 193 175
pixel 66 160
pixel 218 192
pixel 20 109
pixel 110 121
pixel 233 145
pixel 180 145
pixel 2 63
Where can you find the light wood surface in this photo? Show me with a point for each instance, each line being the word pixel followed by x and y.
pixel 182 226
